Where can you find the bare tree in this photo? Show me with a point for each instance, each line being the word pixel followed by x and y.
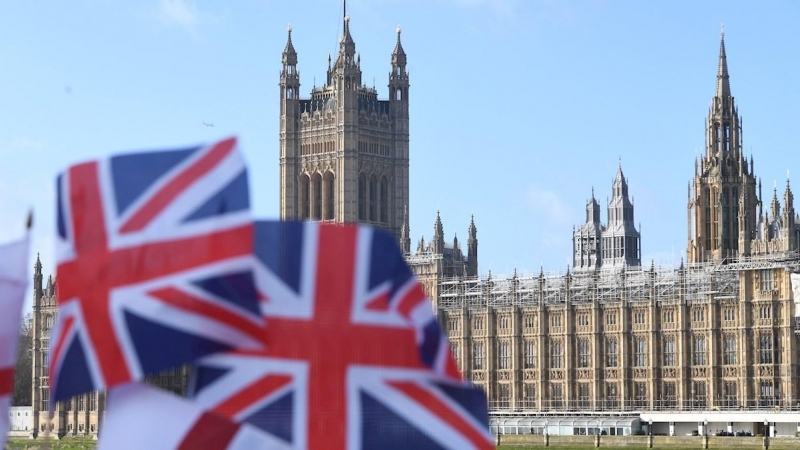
pixel 23 371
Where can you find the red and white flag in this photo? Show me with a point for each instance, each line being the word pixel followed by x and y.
pixel 13 282
pixel 142 417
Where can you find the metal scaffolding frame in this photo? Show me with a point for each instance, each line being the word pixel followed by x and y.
pixel 693 283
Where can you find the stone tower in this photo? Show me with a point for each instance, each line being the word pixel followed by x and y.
pixel 344 153
pixel 722 198
pixel 616 244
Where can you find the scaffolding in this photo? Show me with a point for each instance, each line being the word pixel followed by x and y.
pixel 693 283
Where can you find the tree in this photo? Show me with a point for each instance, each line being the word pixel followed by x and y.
pixel 23 372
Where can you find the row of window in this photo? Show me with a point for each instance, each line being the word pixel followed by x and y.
pixel 768 392
pixel 79 403
pixel 766 352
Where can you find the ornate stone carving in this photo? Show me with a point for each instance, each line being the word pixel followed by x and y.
pixel 699 372
pixel 556 374
pixel 478 376
pixel 504 375
pixel 730 372
pixel 668 372
pixel 611 373
pixel 531 374
pixel 639 372
pixel 584 374
pixel 766 371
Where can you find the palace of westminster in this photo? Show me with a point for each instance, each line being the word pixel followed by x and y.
pixel 610 335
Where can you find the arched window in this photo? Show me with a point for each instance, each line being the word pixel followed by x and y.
pixel 316 186
pixel 305 205
pixel 373 198
pixel 290 93
pixel 384 199
pixel 399 94
pixel 330 189
pixel 362 197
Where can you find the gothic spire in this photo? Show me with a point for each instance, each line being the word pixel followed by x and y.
pixel 289 53
pixel 398 48
pixel 405 233
pixel 37 266
pixel 473 231
pixel 438 234
pixel 723 80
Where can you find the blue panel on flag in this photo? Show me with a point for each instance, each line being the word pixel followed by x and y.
pixel 276 418
pixel 77 380
pixel 431 340
pixel 134 173
pixel 173 345
pixel 382 428
pixel 203 376
pixel 236 288
pixel 471 398
pixel 279 245
pixel 233 197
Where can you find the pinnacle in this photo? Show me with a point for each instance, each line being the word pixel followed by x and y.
pixel 723 79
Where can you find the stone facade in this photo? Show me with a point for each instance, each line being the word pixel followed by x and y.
pixel 344 152
pixel 635 339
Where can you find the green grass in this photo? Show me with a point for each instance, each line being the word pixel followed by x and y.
pixel 64 444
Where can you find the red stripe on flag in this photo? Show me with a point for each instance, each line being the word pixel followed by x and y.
pixel 379 303
pixel 6 381
pixel 210 432
pixel 444 412
pixel 177 185
pixel 256 391
pixel 413 297
pixel 187 302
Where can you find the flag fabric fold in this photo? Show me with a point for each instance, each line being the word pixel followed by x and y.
pixel 13 282
pixel 155 267
pixel 355 359
pixel 142 417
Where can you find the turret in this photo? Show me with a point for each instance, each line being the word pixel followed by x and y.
pixel 398 81
pixel 289 128
pixel 37 279
pixel 472 249
pixel 438 235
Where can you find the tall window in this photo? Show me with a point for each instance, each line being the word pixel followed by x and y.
pixel 82 402
pixel 670 395
pixel 668 315
pixel 640 392
pixel 45 399
pixel 584 353
pixel 700 396
pixel 477 323
pixel 765 311
pixel 556 395
pixel 765 349
pixel 731 393
pixel 766 393
pixel 639 317
pixel 45 361
pixel 530 354
pixel 669 351
pixel 330 200
pixel 362 197
pixel 729 353
pixel 504 396
pixel 477 356
pixel 305 196
pixel 504 360
pixel 766 280
pixel 555 320
pixel 640 356
pixel 611 318
pixel 316 186
pixel 556 354
pixel 612 396
pixel 384 200
pixel 611 352
pixel 698 314
pixel 583 319
pixel 529 391
pixel 729 314
pixel 699 354
pixel 583 395
pixel 529 321
pixel 505 322
pixel 373 198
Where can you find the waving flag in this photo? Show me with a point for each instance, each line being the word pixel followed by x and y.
pixel 13 281
pixel 356 358
pixel 141 417
pixel 154 266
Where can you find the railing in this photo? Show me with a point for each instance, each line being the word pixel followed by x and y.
pixel 642 405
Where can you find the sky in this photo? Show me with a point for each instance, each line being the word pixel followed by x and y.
pixel 518 107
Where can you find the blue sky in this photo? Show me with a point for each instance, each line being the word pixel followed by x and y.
pixel 518 107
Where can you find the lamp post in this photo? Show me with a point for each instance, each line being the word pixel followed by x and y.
pixel 705 433
pixel 766 434
pixel 650 433
pixel 546 434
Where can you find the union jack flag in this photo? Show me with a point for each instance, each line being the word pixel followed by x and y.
pixel 356 358
pixel 155 266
